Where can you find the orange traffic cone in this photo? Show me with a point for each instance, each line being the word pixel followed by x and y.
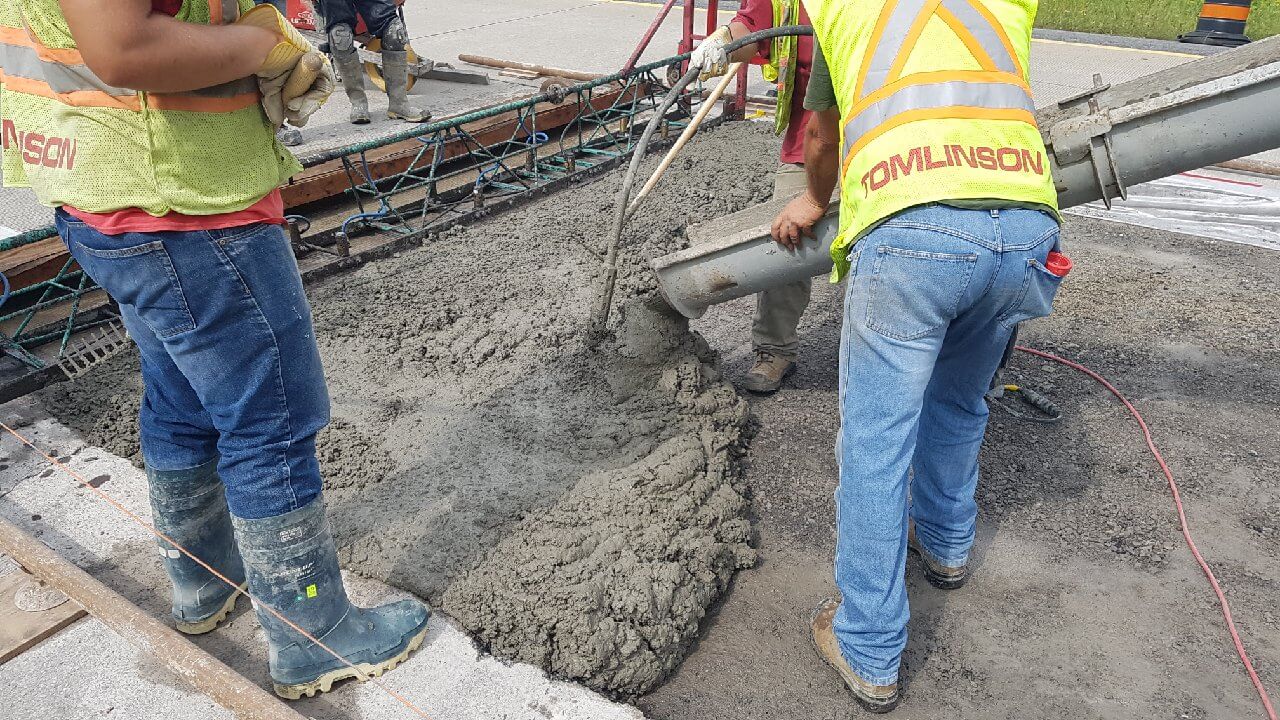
pixel 1221 23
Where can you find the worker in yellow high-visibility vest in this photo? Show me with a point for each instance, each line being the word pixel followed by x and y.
pixel 150 126
pixel 947 216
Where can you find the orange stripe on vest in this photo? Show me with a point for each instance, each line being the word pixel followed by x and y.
pixel 62 56
pixel 78 98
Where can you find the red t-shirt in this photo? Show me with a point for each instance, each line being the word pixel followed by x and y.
pixel 758 15
pixel 269 209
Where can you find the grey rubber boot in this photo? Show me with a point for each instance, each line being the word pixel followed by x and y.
pixel 293 568
pixel 190 507
pixel 395 71
pixel 351 72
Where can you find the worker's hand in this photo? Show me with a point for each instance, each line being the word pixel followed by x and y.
pixel 797 220
pixel 309 86
pixel 710 57
pixel 296 95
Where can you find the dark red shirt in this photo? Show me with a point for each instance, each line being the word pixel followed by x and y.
pixel 758 15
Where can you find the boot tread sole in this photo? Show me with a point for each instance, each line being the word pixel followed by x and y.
pixel 361 672
pixel 208 624
pixel 936 579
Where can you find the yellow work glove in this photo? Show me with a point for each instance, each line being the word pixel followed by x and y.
pixel 296 78
pixel 288 51
pixel 297 94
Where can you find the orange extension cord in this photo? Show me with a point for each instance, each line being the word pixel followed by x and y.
pixel 258 603
pixel 1142 424
pixel 1182 520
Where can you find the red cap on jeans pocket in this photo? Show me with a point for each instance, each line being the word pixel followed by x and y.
pixel 1057 263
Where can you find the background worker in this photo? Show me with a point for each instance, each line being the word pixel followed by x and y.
pixel 161 160
pixel 773 327
pixel 382 18
pixel 947 216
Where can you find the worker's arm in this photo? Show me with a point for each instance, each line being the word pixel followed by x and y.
pixel 822 171
pixel 746 52
pixel 128 46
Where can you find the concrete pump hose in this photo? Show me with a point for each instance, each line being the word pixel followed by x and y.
pixel 600 318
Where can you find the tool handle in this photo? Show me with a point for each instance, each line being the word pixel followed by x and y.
pixel 303 76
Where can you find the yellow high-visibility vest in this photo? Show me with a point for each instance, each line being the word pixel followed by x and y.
pixel 784 59
pixel 75 140
pixel 936 106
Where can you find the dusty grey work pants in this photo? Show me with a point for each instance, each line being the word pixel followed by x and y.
pixel 778 311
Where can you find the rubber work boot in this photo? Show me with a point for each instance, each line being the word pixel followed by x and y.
pixel 767 374
pixel 190 507
pixel 351 72
pixel 938 575
pixel 395 71
pixel 873 698
pixel 293 568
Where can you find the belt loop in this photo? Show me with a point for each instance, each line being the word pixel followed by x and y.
pixel 995 212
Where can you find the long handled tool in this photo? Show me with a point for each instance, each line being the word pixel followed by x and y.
pixel 600 318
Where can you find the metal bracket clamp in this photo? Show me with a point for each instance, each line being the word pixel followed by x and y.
pixel 1089 136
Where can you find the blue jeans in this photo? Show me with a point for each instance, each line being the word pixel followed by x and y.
pixel 932 297
pixel 230 367
pixel 281 5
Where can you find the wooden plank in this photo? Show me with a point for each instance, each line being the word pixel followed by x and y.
pixel 21 630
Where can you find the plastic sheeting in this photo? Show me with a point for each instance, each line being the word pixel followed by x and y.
pixel 1214 203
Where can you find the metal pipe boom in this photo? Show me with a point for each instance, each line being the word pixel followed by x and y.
pixel 1100 142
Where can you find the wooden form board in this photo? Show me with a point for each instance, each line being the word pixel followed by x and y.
pixel 20 629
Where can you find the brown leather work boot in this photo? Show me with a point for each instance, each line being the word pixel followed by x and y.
pixel 938 575
pixel 767 374
pixel 873 698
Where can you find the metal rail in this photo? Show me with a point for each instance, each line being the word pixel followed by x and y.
pixel 202 671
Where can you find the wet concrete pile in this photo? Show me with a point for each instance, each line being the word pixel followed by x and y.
pixel 574 508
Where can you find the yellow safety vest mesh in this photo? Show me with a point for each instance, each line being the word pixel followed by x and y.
pixel 936 106
pixel 75 140
pixel 784 57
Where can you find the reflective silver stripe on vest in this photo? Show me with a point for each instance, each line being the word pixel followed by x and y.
pixel 904 14
pixel 986 35
pixel 992 95
pixel 24 62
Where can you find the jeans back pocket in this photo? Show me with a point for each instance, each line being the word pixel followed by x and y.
pixel 1039 287
pixel 914 293
pixel 140 275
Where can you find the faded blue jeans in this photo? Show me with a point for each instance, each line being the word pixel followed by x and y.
pixel 931 299
pixel 230 367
